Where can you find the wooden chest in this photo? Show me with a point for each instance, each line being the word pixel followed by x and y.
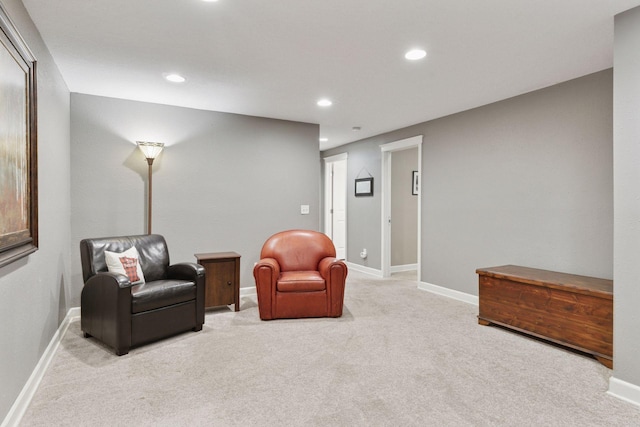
pixel 575 311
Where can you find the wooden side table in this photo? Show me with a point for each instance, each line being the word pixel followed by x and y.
pixel 222 278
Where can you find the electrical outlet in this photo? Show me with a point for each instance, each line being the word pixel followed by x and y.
pixel 304 209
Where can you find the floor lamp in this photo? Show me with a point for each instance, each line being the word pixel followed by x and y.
pixel 150 151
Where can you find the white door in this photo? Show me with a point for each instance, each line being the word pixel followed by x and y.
pixel 339 226
pixel 336 202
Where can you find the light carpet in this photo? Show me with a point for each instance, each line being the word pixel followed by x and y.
pixel 398 356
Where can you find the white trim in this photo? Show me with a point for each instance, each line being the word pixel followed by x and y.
pixel 326 205
pixel 363 269
pixel 624 391
pixel 23 400
pixel 402 144
pixel 385 232
pixel 336 158
pixel 328 195
pixel 450 293
pixel 405 267
pixel 248 291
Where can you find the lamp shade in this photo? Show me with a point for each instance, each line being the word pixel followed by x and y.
pixel 150 149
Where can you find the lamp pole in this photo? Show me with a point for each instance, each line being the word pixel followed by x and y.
pixel 150 151
pixel 149 205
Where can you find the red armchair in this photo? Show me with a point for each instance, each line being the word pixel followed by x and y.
pixel 299 276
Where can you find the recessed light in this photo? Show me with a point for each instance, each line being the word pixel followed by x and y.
pixel 324 103
pixel 175 78
pixel 324 139
pixel 415 54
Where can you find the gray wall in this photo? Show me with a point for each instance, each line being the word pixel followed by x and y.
pixel 35 291
pixel 523 181
pixel 626 147
pixel 224 182
pixel 526 181
pixel 363 213
pixel 404 208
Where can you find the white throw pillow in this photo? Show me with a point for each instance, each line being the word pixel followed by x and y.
pixel 127 263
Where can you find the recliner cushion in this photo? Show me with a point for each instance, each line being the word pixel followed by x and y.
pixel 300 281
pixel 161 293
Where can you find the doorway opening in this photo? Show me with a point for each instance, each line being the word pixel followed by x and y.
pixel 335 203
pixel 390 204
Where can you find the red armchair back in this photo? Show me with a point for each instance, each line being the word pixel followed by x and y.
pixel 299 276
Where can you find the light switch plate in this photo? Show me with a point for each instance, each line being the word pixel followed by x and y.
pixel 304 209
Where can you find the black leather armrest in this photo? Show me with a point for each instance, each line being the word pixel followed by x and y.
pixel 194 272
pixel 109 279
pixel 185 271
pixel 106 310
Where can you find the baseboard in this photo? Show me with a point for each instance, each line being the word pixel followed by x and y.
pixel 24 398
pixel 450 293
pixel 363 269
pixel 247 292
pixel 624 391
pixel 405 267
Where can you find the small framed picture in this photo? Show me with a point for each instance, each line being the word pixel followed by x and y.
pixel 415 183
pixel 364 187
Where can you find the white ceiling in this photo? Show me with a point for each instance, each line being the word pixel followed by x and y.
pixel 277 58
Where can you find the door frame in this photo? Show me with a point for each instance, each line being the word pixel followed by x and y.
pixel 387 150
pixel 328 193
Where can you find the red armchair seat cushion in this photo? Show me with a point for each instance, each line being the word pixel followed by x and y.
pixel 300 281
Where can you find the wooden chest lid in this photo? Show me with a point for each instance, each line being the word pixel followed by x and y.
pixel 551 279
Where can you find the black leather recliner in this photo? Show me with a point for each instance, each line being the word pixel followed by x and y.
pixel 123 315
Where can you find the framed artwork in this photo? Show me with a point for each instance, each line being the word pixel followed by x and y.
pixel 18 146
pixel 415 183
pixel 364 187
